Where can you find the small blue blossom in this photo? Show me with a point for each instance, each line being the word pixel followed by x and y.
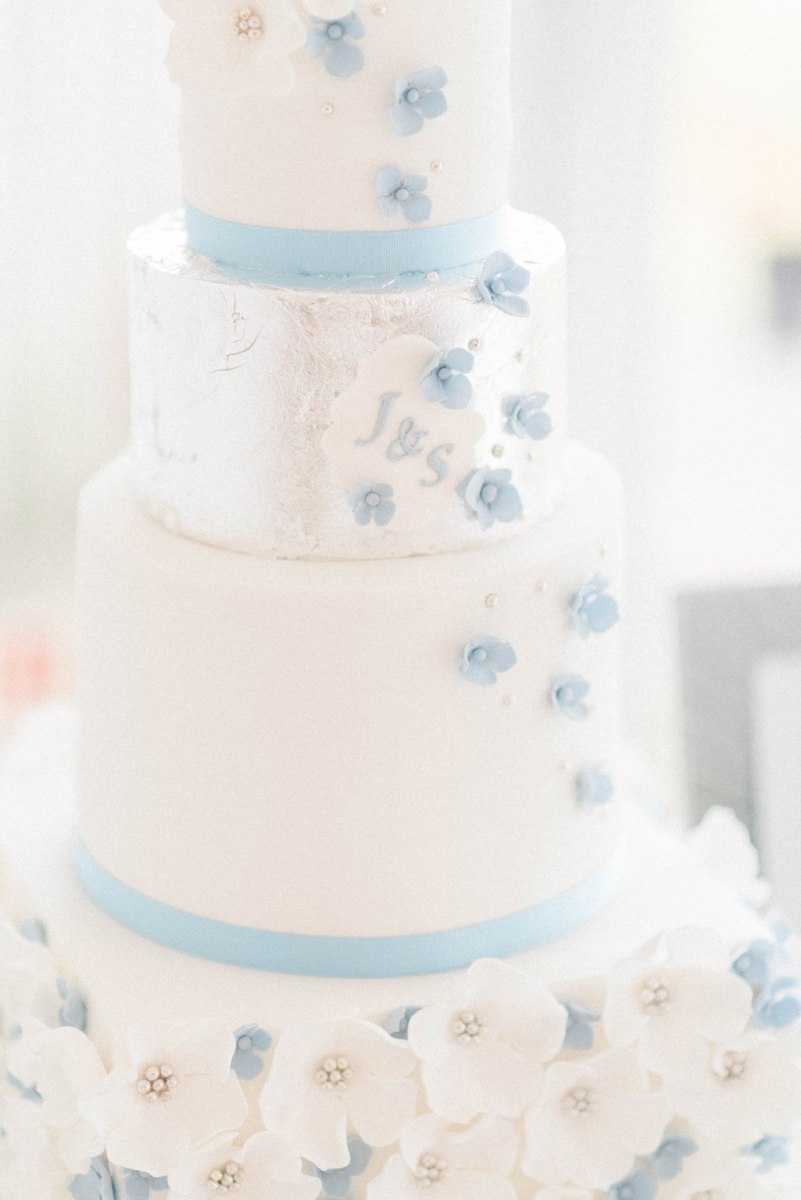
pixel 771 1151
pixel 490 496
pixel 373 502
pixel 394 192
pixel 592 610
pixel 579 1034
pixel 336 1183
pixel 667 1160
pixel 95 1184
pixel 73 1007
pixel 525 417
pixel 754 964
pixel 639 1185
pixel 594 787
pixel 33 930
pixel 334 41
pixel 251 1042
pixel 568 695
pixel 418 97
pixel 397 1023
pixel 485 658
pixel 26 1093
pixel 138 1184
pixel 502 282
pixel 775 1006
pixel 445 381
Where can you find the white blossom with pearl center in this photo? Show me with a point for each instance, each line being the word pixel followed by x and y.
pixel 678 986
pixel 265 1167
pixel 450 1163
pixel 484 1053
pixel 61 1065
pixel 592 1119
pixel 189 1063
pixel 223 49
pixel 329 1075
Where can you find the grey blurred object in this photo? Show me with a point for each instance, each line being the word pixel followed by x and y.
pixel 723 635
pixel 786 293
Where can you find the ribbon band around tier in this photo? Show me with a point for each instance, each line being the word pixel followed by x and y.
pixel 341 258
pixel 350 957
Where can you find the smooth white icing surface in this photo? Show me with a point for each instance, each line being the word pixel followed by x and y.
pixel 308 159
pixel 249 402
pixel 290 745
pixel 128 979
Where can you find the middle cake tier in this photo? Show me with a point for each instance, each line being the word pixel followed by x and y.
pixel 348 423
pixel 349 749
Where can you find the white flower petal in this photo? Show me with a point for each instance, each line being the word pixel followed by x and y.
pixel 431 1032
pixel 508 1080
pixel 395 1182
pixel 379 1108
pixel 149 1140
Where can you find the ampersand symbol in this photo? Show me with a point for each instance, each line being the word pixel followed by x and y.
pixel 407 443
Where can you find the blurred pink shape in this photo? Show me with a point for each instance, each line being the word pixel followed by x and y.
pixel 29 668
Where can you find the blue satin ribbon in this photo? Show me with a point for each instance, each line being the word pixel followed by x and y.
pixel 317 258
pixel 349 957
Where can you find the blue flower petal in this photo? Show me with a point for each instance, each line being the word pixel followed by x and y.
pixel 430 79
pixel 513 306
pixel 459 359
pixel 405 119
pixel 416 183
pixel 508 505
pixel 387 181
pixel 497 263
pixel 456 392
pixel 433 104
pixel 417 208
pixel 516 278
pixel 316 43
pixel 344 60
pixel 385 512
pixel 502 655
pixel 353 25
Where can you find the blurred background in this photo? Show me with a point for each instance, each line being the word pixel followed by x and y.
pixel 665 141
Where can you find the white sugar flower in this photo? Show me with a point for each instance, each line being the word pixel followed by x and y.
pixel 592 1119
pixel 31 1164
pixel 329 1075
pixel 736 1092
pixel 484 1051
pixel 474 1163
pixel 722 846
pixel 61 1065
pixel 176 1091
pixel 232 47
pixel 264 1166
pixel 678 987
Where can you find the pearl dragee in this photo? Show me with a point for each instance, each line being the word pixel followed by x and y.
pixel 579 1101
pixel 157 1083
pixel 248 25
pixel 468 1027
pixel 731 1065
pixel 227 1178
pixel 334 1074
pixel 430 1170
pixel 655 996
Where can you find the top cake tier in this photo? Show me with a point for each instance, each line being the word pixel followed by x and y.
pixel 317 116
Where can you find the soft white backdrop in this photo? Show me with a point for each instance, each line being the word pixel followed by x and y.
pixel 663 137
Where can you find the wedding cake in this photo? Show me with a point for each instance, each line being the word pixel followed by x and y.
pixel 344 892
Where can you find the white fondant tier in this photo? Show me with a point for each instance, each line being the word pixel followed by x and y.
pixel 272 136
pixel 258 411
pixel 293 746
pixel 128 984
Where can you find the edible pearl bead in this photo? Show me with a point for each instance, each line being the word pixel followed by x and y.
pixel 474 344
pixel 542 585
pixel 436 164
pixel 497 451
pixel 491 600
pixel 432 276
pixel 327 109
pixel 379 9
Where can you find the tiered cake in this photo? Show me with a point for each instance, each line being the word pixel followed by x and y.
pixel 357 904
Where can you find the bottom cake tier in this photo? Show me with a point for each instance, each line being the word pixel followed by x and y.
pixel 652 1053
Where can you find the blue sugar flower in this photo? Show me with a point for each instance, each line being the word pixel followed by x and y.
pixel 33 930
pixel 95 1184
pixel 490 496
pixel 775 1005
pixel 485 658
pixel 373 502
pixel 772 1152
pixel 445 381
pixel 251 1043
pixel 73 1008
pixel 525 417
pixel 336 1183
pixel 334 41
pixel 592 610
pixel 579 1034
pixel 397 1023
pixel 594 787
pixel 408 194
pixel 568 695
pixel 639 1185
pixel 138 1184
pixel 667 1160
pixel 754 964
pixel 418 97
pixel 501 283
